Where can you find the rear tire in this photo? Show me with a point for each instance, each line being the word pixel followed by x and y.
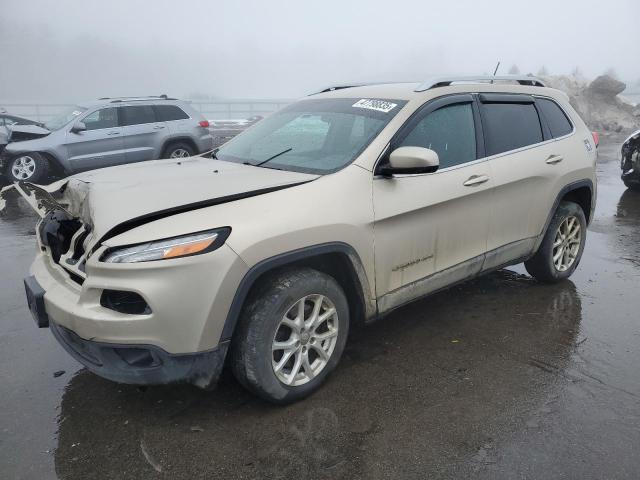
pixel 561 249
pixel 178 150
pixel 277 351
pixel 28 167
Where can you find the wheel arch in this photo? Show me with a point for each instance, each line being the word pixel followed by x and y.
pixel 55 165
pixel 337 259
pixel 170 141
pixel 580 192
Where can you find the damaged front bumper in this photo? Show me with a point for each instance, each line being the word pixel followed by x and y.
pixel 130 364
pixel 143 364
pixel 175 340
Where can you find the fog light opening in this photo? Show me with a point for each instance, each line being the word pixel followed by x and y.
pixel 120 301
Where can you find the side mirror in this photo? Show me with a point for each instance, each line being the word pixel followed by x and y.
pixel 78 127
pixel 411 160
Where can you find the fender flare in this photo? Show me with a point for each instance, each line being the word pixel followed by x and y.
pixel 178 139
pixel 566 189
pixel 283 259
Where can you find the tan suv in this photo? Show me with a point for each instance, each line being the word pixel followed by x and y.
pixel 343 206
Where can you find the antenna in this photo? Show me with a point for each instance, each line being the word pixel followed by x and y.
pixel 495 71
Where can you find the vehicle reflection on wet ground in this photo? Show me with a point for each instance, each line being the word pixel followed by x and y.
pixel 500 377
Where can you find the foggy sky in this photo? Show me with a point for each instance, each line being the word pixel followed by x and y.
pixel 70 50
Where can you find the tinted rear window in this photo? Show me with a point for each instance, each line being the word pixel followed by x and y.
pixel 508 126
pixel 167 113
pixel 558 122
pixel 137 115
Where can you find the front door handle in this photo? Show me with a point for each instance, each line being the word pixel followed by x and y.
pixel 113 133
pixel 476 180
pixel 158 127
pixel 553 159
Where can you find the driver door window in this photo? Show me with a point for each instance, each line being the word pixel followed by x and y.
pixel 103 118
pixel 449 131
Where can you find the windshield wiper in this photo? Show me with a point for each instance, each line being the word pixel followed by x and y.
pixel 271 158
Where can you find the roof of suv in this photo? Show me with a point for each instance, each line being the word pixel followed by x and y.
pixel 115 101
pixel 440 86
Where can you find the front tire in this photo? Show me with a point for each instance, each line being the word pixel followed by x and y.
pixel 291 335
pixel 29 167
pixel 561 249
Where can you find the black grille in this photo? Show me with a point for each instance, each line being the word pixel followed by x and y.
pixel 56 231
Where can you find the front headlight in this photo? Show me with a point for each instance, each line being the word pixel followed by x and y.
pixel 183 246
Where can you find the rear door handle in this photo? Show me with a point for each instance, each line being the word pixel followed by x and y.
pixel 553 159
pixel 113 133
pixel 476 180
pixel 158 127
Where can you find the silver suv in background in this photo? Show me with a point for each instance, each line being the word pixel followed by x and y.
pixel 110 131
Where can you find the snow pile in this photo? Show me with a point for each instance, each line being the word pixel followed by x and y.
pixel 598 103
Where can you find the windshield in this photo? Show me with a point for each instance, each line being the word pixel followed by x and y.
pixel 312 136
pixel 61 120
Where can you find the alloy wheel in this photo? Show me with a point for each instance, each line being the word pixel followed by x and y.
pixel 23 168
pixel 566 244
pixel 179 153
pixel 304 340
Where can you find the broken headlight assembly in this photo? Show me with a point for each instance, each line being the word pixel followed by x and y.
pixel 176 247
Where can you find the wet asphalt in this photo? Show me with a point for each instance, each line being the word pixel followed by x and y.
pixel 499 378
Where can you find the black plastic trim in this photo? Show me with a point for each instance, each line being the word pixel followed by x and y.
pixel 388 171
pixel 505 98
pixel 35 301
pixel 279 261
pixel 109 360
pixel 566 189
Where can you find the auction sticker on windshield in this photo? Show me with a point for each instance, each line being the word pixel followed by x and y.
pixel 373 104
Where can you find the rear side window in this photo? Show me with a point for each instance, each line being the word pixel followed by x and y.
pixel 508 126
pixel 137 115
pixel 449 131
pixel 558 122
pixel 167 113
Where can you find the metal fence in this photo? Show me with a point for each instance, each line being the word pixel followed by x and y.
pixel 212 110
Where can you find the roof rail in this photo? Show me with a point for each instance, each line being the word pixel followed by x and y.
pixel 137 98
pixel 446 81
pixel 340 87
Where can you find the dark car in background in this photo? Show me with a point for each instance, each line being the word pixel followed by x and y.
pixel 630 162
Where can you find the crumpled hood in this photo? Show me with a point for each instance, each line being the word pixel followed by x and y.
pixel 26 132
pixel 112 200
pixel 107 198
